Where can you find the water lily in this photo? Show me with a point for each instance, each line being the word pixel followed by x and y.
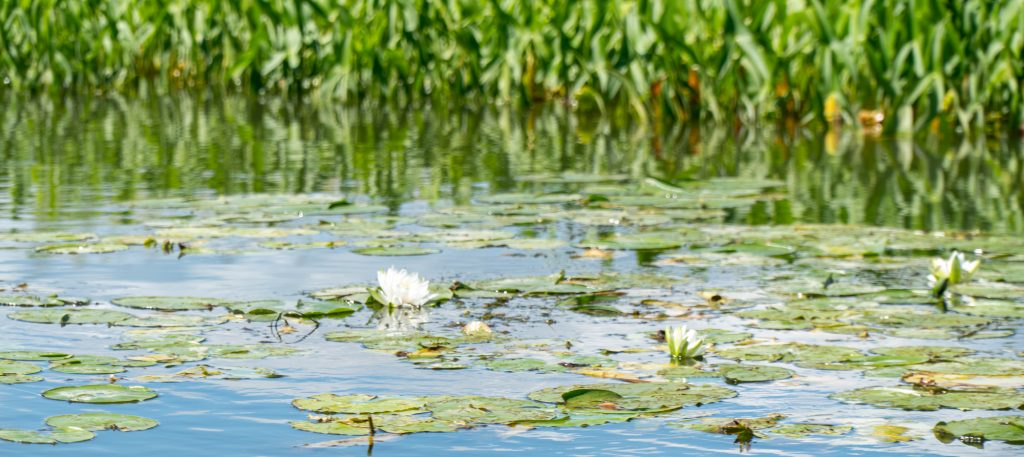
pixel 683 342
pixel 957 269
pixel 477 328
pixel 400 288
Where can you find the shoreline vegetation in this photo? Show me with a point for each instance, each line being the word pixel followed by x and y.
pixel 895 67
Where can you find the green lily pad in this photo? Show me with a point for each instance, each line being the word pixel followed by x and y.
pixel 88 369
pixel 735 374
pixel 102 421
pixel 993 290
pixel 489 410
pixel 32 300
pixel 46 237
pixel 16 367
pixel 169 303
pixel 909 398
pixel 789 352
pixel 75 249
pixel 33 356
pixel 51 437
pixel 802 430
pixel 101 394
pixel 70 316
pixel 357 404
pixel 974 431
pixel 399 250
pixel 525 364
pixel 634 242
pixel 18 378
pixel 654 396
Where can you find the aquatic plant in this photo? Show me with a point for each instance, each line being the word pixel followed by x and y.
pixel 683 343
pixel 946 273
pixel 902 63
pixel 399 288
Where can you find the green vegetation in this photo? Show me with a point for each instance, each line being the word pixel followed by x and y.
pixel 909 62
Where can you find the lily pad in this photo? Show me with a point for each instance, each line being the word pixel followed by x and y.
pixel 909 398
pixel 974 431
pixel 70 316
pixel 102 421
pixel 169 303
pixel 51 437
pixel 490 410
pixel 16 367
pixel 101 394
pixel 802 430
pixel 399 250
pixel 18 378
pixel 357 404
pixel 735 374
pixel 75 249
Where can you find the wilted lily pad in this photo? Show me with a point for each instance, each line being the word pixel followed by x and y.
pixel 101 393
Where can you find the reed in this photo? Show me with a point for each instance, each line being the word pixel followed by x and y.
pixel 914 64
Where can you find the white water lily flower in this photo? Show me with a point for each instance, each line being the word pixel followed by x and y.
pixel 477 328
pixel 955 270
pixel 683 342
pixel 401 288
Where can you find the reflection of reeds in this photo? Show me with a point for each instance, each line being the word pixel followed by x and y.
pixel 51 159
pixel 958 62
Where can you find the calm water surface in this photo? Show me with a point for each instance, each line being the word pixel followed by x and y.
pixel 78 168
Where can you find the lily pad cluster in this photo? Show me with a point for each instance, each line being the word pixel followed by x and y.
pixel 566 406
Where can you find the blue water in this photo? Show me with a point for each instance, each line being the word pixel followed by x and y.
pixel 57 188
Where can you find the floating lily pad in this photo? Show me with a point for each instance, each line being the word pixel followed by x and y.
pixel 102 421
pixel 490 410
pixel 33 356
pixel 18 378
pixel 169 303
pixel 930 400
pixel 357 404
pixel 524 364
pixel 654 396
pixel 989 290
pixel 70 316
pixel 74 249
pixel 50 437
pixel 634 242
pixel 399 250
pixel 101 394
pixel 15 367
pixel 32 300
pixel 88 369
pixel 802 430
pixel 735 374
pixel 977 430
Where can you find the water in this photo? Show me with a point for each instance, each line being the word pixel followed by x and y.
pixel 81 167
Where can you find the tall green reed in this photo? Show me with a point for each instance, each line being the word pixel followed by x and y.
pixel 922 64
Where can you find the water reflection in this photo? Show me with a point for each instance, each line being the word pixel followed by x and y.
pixel 68 159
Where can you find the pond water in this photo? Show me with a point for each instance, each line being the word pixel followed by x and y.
pixel 778 246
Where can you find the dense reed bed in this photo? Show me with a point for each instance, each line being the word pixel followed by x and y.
pixel 922 64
